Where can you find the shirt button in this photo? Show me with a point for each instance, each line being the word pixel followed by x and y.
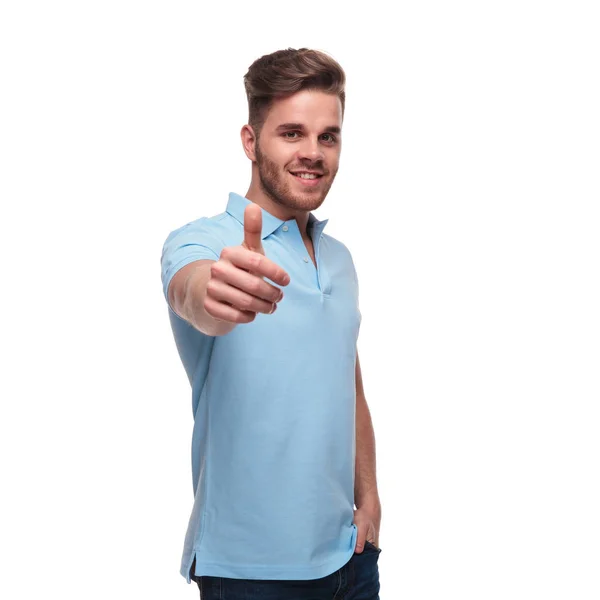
pixel 285 227
pixel 305 259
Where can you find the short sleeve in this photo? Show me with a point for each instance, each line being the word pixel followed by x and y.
pixel 194 241
pixel 356 290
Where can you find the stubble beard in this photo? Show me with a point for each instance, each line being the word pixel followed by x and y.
pixel 273 184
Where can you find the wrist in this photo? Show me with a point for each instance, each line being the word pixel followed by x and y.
pixel 370 502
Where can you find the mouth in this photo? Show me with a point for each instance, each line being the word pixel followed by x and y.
pixel 307 178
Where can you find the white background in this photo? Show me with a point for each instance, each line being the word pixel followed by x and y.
pixel 468 195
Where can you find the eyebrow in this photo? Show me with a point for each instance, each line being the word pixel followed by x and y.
pixel 286 126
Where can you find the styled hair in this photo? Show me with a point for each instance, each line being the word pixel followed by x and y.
pixel 285 72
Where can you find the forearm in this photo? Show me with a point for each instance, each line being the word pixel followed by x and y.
pixel 365 480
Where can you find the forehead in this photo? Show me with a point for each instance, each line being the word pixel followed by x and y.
pixel 311 108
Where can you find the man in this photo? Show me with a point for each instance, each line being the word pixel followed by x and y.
pixel 283 445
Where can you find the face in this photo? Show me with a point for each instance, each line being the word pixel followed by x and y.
pixel 301 135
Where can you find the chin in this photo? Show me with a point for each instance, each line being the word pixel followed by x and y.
pixel 308 201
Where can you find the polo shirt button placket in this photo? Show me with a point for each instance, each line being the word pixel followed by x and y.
pixel 304 258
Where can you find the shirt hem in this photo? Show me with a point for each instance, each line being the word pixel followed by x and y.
pixel 268 571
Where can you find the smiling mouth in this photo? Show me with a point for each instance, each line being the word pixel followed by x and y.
pixel 306 175
pixel 307 180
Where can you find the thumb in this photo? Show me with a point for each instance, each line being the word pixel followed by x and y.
pixel 361 536
pixel 253 228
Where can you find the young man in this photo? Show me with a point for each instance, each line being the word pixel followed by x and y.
pixel 283 445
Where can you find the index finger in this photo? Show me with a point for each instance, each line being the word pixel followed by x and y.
pixel 258 264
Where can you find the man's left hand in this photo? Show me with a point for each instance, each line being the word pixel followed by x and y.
pixel 367 521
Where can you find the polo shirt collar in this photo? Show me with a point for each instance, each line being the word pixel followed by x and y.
pixel 236 206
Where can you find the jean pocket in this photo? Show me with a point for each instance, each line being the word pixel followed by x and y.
pixel 371 545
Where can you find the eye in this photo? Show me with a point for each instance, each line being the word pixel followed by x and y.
pixel 290 133
pixel 332 138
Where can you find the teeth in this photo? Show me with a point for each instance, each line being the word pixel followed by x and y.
pixel 306 175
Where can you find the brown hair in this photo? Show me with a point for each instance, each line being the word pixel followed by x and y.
pixel 286 72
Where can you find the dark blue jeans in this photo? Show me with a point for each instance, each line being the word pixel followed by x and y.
pixel 358 579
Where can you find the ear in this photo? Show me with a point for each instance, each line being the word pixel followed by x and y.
pixel 248 142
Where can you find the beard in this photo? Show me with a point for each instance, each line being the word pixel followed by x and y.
pixel 277 185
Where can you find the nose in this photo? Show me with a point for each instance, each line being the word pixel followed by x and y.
pixel 311 150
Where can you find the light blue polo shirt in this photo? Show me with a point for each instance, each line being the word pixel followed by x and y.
pixel 273 445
